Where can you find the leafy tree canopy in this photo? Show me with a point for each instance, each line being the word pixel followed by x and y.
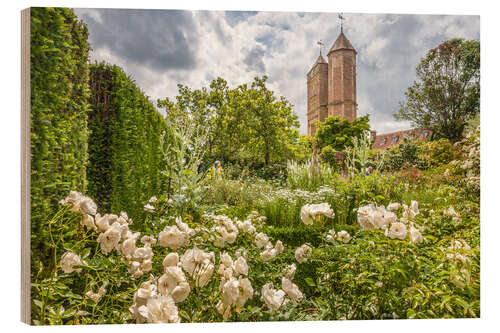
pixel 339 133
pixel 445 94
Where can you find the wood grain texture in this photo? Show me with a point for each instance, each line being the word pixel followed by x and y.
pixel 25 168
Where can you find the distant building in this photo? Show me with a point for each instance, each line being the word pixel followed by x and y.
pixel 384 141
pixel 331 91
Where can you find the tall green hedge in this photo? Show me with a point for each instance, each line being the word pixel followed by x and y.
pixel 125 158
pixel 59 109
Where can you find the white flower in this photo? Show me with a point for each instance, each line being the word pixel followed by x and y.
pixel 268 254
pixel 415 235
pixel 302 252
pixel 160 309
pixel 410 212
pixel 128 245
pixel 261 240
pixel 148 240
pixel 104 222
pixel 109 240
pixel 393 206
pixel 199 265
pixel 289 271
pixel 70 259
pixel 397 230
pixel 279 247
pixel 343 236
pixel 234 293
pixel 96 297
pixel 172 237
pixel 291 289
pixel 246 226
pixel 172 259
pixel 88 221
pixel 330 237
pixel 173 282
pixel 414 207
pixel 153 199
pixel 312 212
pixel 149 208
pixel 80 203
pixel 272 297
pixel 240 266
pixel 379 284
pixel 371 217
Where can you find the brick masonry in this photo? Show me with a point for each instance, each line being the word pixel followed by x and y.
pixel 331 91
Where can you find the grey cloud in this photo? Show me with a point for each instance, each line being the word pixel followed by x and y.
pixel 159 39
pixel 253 59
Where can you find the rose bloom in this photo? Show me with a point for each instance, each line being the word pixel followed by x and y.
pixel 88 221
pixel 330 237
pixel 302 252
pixel 148 240
pixel 312 212
pixel 240 266
pixel 289 271
pixel 291 289
pixel 172 259
pixel 149 208
pixel 272 297
pixel 160 309
pixel 70 259
pixel 172 237
pixel 397 230
pixel 261 240
pixel 393 206
pixel 415 235
pixel 343 236
pixel 109 240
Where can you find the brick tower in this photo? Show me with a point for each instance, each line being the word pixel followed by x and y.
pixel 317 94
pixel 342 79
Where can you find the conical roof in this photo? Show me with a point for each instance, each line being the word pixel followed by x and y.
pixel 318 61
pixel 342 43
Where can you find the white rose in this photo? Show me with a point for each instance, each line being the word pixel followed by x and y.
pixel 393 206
pixel 160 309
pixel 343 236
pixel 88 221
pixel 261 240
pixel 172 259
pixel 291 289
pixel 172 237
pixel 70 259
pixel 415 235
pixel 302 252
pixel 397 230
pixel 273 298
pixel 240 266
pixel 110 239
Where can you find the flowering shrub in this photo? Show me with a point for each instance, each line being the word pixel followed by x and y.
pixel 362 249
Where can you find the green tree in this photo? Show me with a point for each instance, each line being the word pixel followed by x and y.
pixel 247 122
pixel 446 92
pixel 339 133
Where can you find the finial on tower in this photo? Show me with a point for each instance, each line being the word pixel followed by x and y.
pixel 341 18
pixel 320 43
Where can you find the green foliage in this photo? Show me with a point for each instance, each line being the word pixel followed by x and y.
pixel 125 145
pixel 245 123
pixel 309 175
pixel 405 154
pixel 339 133
pixel 446 93
pixel 59 108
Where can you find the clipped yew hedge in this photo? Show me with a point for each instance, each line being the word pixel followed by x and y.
pixel 59 110
pixel 125 158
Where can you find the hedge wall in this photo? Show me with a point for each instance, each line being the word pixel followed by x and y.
pixel 59 109
pixel 125 159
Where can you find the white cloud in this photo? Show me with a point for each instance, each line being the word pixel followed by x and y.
pixel 284 44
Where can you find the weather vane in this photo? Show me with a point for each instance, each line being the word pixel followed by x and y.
pixel 341 18
pixel 320 43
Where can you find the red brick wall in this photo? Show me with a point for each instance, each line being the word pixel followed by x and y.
pixel 384 141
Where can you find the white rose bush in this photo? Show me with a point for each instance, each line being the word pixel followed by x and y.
pixel 366 247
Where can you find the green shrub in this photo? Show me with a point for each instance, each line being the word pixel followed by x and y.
pixel 125 157
pixel 59 108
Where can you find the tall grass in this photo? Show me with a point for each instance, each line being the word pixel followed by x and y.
pixel 309 176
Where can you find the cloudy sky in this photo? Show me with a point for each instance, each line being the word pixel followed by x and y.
pixel 161 48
